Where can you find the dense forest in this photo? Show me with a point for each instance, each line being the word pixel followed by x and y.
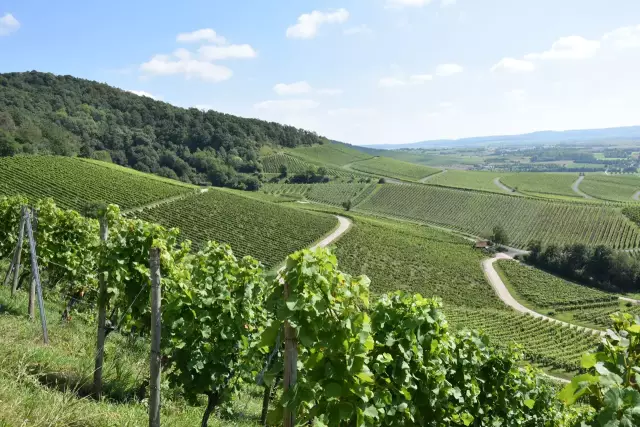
pixel 41 113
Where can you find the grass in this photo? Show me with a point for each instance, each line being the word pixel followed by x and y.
pixel 267 231
pixel 48 385
pixel 619 188
pixel 542 183
pixel 523 218
pixel 73 182
pixel 387 167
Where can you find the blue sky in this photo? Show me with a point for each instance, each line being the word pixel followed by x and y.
pixel 360 71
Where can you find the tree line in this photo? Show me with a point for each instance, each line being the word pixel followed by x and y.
pixel 41 113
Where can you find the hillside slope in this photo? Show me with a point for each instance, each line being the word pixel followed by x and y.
pixel 64 115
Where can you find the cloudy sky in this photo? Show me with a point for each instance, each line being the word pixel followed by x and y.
pixel 359 71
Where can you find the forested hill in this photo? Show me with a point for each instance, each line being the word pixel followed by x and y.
pixel 48 114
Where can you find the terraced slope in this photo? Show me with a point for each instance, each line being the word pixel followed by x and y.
pixel 331 193
pixel 619 188
pixel 542 183
pixel 73 182
pixel 296 165
pixel 264 230
pixel 330 153
pixel 393 168
pixel 474 180
pixel 524 219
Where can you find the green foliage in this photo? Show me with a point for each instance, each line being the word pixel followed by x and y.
pixel 393 168
pixel 211 314
pixel 73 183
pixel 67 116
pixel 524 219
pixel 499 235
pixel 266 231
pixel 612 378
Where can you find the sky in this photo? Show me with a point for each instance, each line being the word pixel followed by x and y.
pixel 359 71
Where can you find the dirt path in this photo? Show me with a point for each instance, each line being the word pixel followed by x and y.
pixel 503 187
pixel 427 178
pixel 576 188
pixel 503 293
pixel 343 227
pixel 636 196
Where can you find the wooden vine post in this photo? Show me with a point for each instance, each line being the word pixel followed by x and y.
pixel 35 275
pixel 154 377
pixel 32 224
pixel 18 256
pixel 102 316
pixel 290 363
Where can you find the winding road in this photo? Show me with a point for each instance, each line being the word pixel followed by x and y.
pixel 503 187
pixel 576 188
pixel 503 293
pixel 427 178
pixel 343 227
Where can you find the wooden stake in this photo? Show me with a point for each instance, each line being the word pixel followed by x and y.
pixel 290 363
pixel 154 377
pixel 33 222
pixel 35 274
pixel 16 267
pixel 102 317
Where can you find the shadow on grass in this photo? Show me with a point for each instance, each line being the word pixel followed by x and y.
pixel 82 386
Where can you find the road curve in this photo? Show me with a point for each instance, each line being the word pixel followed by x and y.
pixel 503 187
pixel 636 196
pixel 343 227
pixel 503 293
pixel 427 178
pixel 576 188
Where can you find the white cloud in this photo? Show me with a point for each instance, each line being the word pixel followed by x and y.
pixel 407 3
pixel 444 70
pixel 516 95
pixel 234 51
pixel 420 78
pixel 572 47
pixel 352 112
pixel 329 92
pixel 180 63
pixel 513 65
pixel 624 38
pixel 445 3
pixel 143 93
pixel 204 35
pixel 287 105
pixel 391 82
pixel 360 29
pixel 309 23
pixel 8 24
pixel 296 88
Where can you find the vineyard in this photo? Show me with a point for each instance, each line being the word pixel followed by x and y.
pixel 611 187
pixel 274 162
pixel 331 194
pixel 542 183
pixel 72 182
pixel 473 180
pixel 545 343
pixel 384 166
pixel 329 153
pixel 266 231
pixel 524 219
pixel 545 290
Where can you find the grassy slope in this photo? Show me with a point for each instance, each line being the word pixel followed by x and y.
pixel 264 230
pixel 392 168
pixel 72 182
pixel 29 372
pixel 331 153
pixel 542 183
pixel 523 218
pixel 474 180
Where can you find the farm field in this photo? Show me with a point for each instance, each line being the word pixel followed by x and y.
pixel 266 231
pixel 436 263
pixel 523 219
pixel 619 188
pixel 473 180
pixel 295 165
pixel 330 153
pixel 330 193
pixel 542 183
pixel 393 168
pixel 73 182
